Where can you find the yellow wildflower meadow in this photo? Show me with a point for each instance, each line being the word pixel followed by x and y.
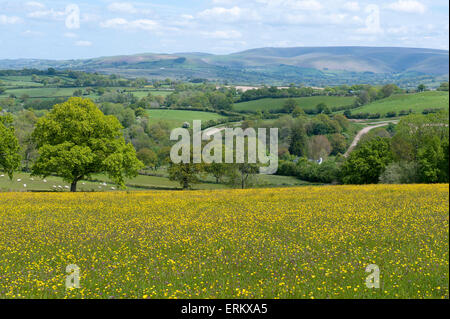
pixel 309 242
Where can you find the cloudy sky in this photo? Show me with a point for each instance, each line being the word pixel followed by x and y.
pixel 90 28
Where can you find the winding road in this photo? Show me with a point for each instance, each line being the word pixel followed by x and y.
pixel 363 132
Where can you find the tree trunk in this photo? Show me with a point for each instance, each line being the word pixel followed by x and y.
pixel 185 184
pixel 73 186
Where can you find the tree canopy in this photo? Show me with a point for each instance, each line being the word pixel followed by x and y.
pixel 9 147
pixel 76 140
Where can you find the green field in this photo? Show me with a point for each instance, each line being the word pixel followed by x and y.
pixel 176 118
pixel 304 102
pixel 141 182
pixel 18 81
pixel 415 102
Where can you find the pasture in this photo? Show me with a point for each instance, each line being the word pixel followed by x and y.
pixel 309 242
pixel 304 102
pixel 403 102
pixel 23 182
pixel 176 118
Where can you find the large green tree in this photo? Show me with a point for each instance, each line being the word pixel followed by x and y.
pixel 367 162
pixel 76 140
pixel 9 147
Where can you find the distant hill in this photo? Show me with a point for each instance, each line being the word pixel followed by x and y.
pixel 317 66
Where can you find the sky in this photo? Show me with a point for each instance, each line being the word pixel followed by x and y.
pixel 85 29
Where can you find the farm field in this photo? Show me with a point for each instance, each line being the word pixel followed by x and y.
pixel 305 102
pixel 20 85
pixel 309 242
pixel 404 102
pixel 176 118
pixel 140 183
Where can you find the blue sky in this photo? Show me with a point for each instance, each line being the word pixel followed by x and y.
pixel 82 29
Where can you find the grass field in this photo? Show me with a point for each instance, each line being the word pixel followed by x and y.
pixel 176 118
pixel 304 102
pixel 20 85
pixel 310 242
pixel 141 182
pixel 404 102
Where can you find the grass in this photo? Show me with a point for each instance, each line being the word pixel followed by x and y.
pixel 42 92
pixel 14 85
pixel 176 118
pixel 304 102
pixel 309 242
pixel 140 183
pixel 404 102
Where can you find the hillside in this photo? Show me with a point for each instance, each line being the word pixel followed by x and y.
pixel 269 104
pixel 404 102
pixel 316 66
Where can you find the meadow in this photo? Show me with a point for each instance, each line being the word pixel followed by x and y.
pixel 403 102
pixel 304 102
pixel 23 182
pixel 176 118
pixel 309 242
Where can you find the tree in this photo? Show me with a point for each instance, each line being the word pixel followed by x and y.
pixel 218 170
pixel 290 105
pixel 298 139
pixel 388 89
pixel 443 87
pixel 241 174
pixel 433 161
pixel 9 147
pixel 421 88
pixel 322 108
pixel 24 123
pixel 75 140
pixel 416 130
pixel 400 173
pixel 148 157
pixel 78 93
pixel 338 144
pixel 319 147
pixel 186 174
pixel 367 162
pixel 298 111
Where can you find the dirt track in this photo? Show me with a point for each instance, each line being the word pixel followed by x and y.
pixel 363 132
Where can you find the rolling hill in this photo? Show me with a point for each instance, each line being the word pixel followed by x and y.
pixel 317 66
pixel 404 102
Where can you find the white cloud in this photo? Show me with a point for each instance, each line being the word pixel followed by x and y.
pixel 51 13
pixel 308 5
pixel 219 12
pixel 35 4
pixel 4 19
pixel 398 30
pixel 114 23
pixel 223 2
pixel 351 6
pixel 373 23
pixel 83 43
pixel 408 6
pixel 229 34
pixel 32 33
pixel 70 35
pixel 122 7
pixel 234 14
pixel 303 5
pixel 121 23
